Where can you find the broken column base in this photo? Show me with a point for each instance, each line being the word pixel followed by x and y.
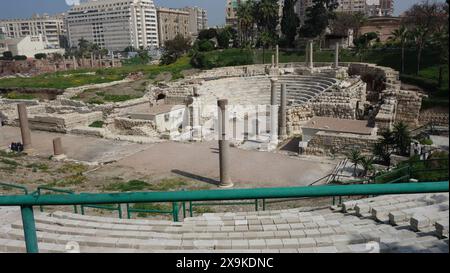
pixel 59 157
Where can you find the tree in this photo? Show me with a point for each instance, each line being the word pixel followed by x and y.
pixel 289 22
pixel 384 148
pixel 205 45
pixel 402 138
pixel 425 18
pixel 265 40
pixel 84 47
pixel 402 35
pixel 363 42
pixel 344 21
pixel 207 34
pixel 266 13
pixel 318 18
pixel 367 165
pixel 355 157
pixel 223 38
pixel 175 48
pixel 246 21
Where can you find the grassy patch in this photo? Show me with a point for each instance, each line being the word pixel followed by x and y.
pixel 133 185
pixel 167 184
pixel 151 206
pixel 72 168
pixel 201 210
pixel 9 162
pixel 72 180
pixel 19 96
pixel 38 166
pixel 97 124
pixel 74 78
pixel 6 154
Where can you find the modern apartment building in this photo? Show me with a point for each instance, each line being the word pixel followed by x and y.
pixel 380 8
pixel 231 12
pixel 198 19
pixel 172 22
pixel 51 28
pixel 367 7
pixel 114 24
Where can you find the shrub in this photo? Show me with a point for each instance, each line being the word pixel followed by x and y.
pixel 40 56
pixel 205 46
pixel 97 124
pixel 20 57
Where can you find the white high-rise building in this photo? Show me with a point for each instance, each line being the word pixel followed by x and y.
pixel 198 19
pixel 51 28
pixel 114 24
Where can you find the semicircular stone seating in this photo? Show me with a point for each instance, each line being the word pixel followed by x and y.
pixel 395 223
pixel 256 90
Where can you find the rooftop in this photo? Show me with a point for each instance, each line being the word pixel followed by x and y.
pixel 340 125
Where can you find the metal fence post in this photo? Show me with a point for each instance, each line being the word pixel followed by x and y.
pixel 175 211
pixel 119 209
pixel 128 211
pixel 29 229
pixel 191 213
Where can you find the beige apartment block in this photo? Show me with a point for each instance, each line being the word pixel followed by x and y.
pixel 171 23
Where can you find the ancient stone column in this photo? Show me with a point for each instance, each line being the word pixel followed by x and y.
pixel 273 110
pixel 112 60
pixel 307 54
pixel 24 127
pixel 273 60
pixel 311 54
pixel 273 91
pixel 277 56
pixel 57 147
pixel 92 59
pixel 283 118
pixel 74 62
pixel 246 127
pixel 224 146
pixel 336 56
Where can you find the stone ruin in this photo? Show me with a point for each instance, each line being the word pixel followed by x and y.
pixel 343 90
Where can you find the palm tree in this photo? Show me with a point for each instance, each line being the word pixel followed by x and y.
pixel 420 35
pixel 402 138
pixel 355 157
pixel 367 164
pixel 402 35
pixel 385 147
pixel 246 20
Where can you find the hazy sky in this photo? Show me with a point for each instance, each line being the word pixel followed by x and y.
pixel 216 8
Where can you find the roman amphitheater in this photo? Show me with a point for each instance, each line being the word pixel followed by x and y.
pixel 334 106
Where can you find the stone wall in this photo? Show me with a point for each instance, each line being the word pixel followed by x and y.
pixel 326 143
pixel 436 117
pixel 36 67
pixel 409 104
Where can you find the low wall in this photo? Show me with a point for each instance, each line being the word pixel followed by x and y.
pixel 325 143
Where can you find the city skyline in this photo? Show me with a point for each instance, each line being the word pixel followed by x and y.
pixel 216 8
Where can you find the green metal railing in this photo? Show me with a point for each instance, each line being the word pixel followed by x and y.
pixel 212 204
pixel 114 207
pixel 27 202
pixel 175 211
pixel 14 186
pixel 45 188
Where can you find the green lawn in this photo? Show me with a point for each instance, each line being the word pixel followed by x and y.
pixel 67 79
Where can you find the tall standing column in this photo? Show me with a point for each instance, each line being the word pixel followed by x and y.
pixel 24 127
pixel 277 56
pixel 224 146
pixel 283 118
pixel 273 60
pixel 311 54
pixel 307 54
pixel 75 65
pixel 273 110
pixel 336 56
